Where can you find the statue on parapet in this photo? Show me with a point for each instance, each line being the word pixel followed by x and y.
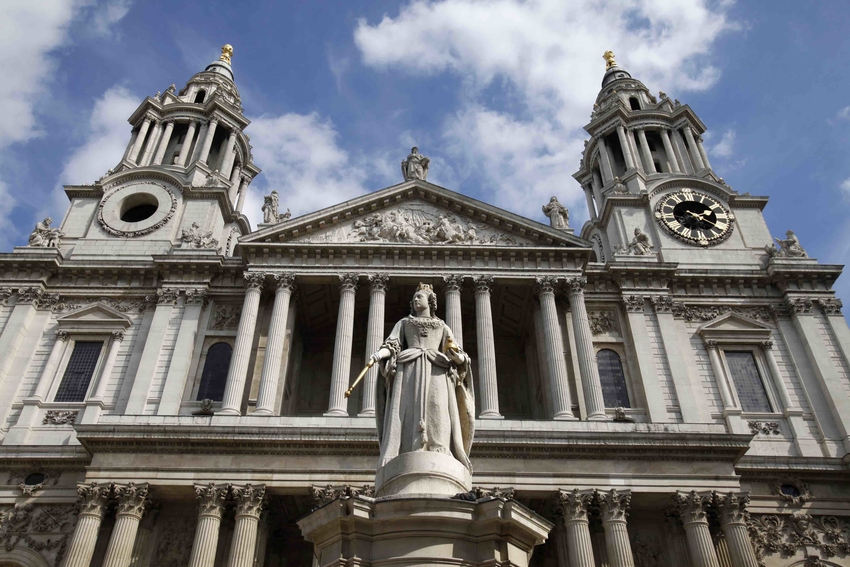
pixel 559 216
pixel 45 236
pixel 415 166
pixel 789 247
pixel 271 208
pixel 640 244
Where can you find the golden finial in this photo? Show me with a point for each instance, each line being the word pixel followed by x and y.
pixel 608 56
pixel 226 53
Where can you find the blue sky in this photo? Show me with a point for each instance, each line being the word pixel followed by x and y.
pixel 496 93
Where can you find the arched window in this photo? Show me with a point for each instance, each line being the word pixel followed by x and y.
pixel 199 98
pixel 614 390
pixel 634 103
pixel 214 376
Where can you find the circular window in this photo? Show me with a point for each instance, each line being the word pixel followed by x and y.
pixel 34 479
pixel 790 490
pixel 136 209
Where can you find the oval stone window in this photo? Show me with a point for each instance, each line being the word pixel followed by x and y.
pixel 34 479
pixel 138 207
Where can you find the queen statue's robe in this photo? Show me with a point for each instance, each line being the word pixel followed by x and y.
pixel 426 401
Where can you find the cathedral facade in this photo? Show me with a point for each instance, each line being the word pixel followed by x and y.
pixel 669 386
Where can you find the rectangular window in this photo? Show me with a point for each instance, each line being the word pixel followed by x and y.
pixel 78 374
pixel 747 380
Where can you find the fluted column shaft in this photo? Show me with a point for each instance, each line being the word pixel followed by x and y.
pixel 187 143
pixel 556 365
pixel 694 519
pixel 374 339
pixel 488 386
pixel 140 140
pixel 453 315
pixel 147 155
pixel 627 149
pixel 237 373
pixel 591 384
pixel 702 154
pixel 668 149
pixel 692 147
pixel 50 367
pixel 274 346
pixel 131 508
pixel 208 140
pixel 649 165
pixel 202 135
pixel 233 192
pixel 733 523
pixel 591 206
pixel 605 161
pixel 614 505
pixel 249 505
pixel 92 499
pixel 342 346
pixel 243 191
pixel 163 143
pixel 573 505
pixel 210 506
pixel 226 162
pixel 142 550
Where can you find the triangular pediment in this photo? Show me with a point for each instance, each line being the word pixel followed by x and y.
pixel 97 316
pixel 415 213
pixel 734 327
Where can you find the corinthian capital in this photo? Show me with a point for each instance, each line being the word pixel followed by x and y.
pixel 546 284
pixel 453 282
pixel 92 498
pixel 210 499
pixel 255 280
pixel 379 282
pixel 614 504
pixel 348 282
pixel 249 499
pixel 732 507
pixel 483 284
pixel 577 285
pixel 573 504
pixel 692 506
pixel 285 280
pixel 132 498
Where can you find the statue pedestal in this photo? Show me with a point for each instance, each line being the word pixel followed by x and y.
pixel 414 531
pixel 422 473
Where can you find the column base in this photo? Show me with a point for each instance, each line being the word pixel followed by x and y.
pixel 598 417
pixel 367 413
pixel 491 415
pixel 228 411
pixel 263 411
pixel 564 416
pixel 335 413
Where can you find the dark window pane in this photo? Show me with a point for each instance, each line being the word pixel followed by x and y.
pixel 614 390
pixel 214 376
pixel 75 382
pixel 748 384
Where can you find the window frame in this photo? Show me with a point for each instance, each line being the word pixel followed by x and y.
pixel 208 341
pixel 620 353
pixel 764 375
pixel 56 379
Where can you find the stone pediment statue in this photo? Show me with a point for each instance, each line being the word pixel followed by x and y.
pixel 559 216
pixel 195 237
pixel 426 401
pixel 45 236
pixel 271 208
pixel 640 244
pixel 415 166
pixel 789 247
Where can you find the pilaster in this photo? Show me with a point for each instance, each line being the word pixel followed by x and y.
pixel 178 370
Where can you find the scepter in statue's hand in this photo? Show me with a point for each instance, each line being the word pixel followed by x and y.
pixel 360 377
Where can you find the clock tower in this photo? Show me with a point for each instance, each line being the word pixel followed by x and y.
pixel 651 192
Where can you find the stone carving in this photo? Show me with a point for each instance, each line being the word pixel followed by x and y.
pixel 602 322
pixel 804 493
pixel 271 206
pixel 45 236
pixel 210 498
pixel 250 499
pixel 830 306
pixel 478 493
pixel 45 529
pixel 324 494
pixel 633 303
pixel 559 216
pixel 786 534
pixel 254 280
pixel 195 296
pixel 661 304
pixel 692 505
pixel 225 317
pixel 573 505
pixel 420 348
pixel 172 550
pixel 614 503
pixel 789 247
pixel 132 498
pixel 206 408
pixel 621 416
pixel 600 249
pixel 51 476
pixel 167 296
pixel 141 232
pixel 764 427
pixel 60 417
pixel 415 166
pixel 196 237
pixel 711 312
pixel 646 554
pixel 798 305
pixel 39 298
pixel 120 305
pixel 640 244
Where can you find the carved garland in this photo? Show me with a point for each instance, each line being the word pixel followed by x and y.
pixel 45 529
pixel 771 533
pixel 144 231
pixel 711 312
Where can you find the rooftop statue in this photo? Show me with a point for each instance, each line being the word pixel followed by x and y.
pixel 640 244
pixel 271 209
pixel 559 216
pixel 45 236
pixel 789 247
pixel 415 166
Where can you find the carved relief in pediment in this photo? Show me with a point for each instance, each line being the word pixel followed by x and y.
pixel 416 223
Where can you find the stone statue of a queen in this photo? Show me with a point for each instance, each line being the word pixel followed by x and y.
pixel 426 401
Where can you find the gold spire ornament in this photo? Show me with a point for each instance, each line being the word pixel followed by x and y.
pixel 226 53
pixel 608 56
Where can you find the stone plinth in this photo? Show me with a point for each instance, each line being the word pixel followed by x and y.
pixel 423 531
pixel 422 473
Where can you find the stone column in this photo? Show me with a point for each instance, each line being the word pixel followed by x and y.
pixel 147 155
pixel 591 383
pixel 573 506
pixel 591 206
pixel 776 374
pixel 596 183
pixel 187 143
pixel 340 374
pixel 692 512
pixel 140 139
pixel 163 143
pixel 624 144
pixel 605 160
pixel 488 386
pixel 243 191
pixel 702 154
pixel 208 140
pixel 178 370
pixel 143 549
pixel 274 346
pixel 92 500
pixel 634 146
pixel 374 339
pixel 228 155
pixel 733 523
pixel 453 315
pixel 237 373
pixel 681 152
pixel 249 503
pixel 668 149
pixel 202 134
pixel 235 177
pixel 556 365
pixel 49 371
pixel 132 499
pixel 677 544
pixel 210 507
pixel 649 165
pixel 134 134
pixel 719 374
pixel 615 505
pixel 692 146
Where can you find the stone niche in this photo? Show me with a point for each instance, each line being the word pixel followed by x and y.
pixel 419 531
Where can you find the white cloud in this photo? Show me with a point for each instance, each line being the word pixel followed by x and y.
pixel 105 16
pixel 725 148
pixel 845 187
pixel 549 52
pixel 844 113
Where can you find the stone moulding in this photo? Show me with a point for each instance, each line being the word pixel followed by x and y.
pixel 141 232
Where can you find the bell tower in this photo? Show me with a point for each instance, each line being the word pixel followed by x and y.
pixel 644 159
pixel 182 181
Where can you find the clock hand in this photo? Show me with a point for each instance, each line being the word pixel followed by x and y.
pixel 700 217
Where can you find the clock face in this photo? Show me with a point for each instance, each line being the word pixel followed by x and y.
pixel 694 217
